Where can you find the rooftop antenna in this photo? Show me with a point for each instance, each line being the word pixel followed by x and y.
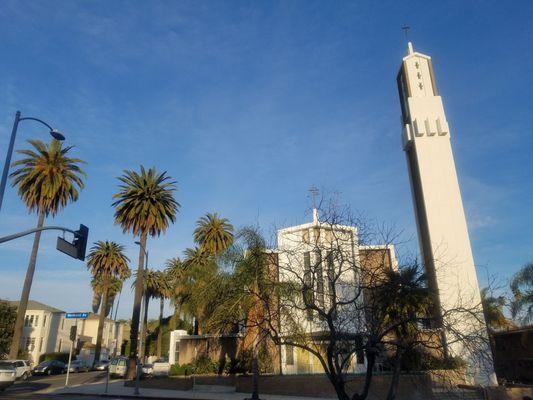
pixel 314 193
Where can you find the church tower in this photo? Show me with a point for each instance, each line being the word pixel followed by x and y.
pixel 442 231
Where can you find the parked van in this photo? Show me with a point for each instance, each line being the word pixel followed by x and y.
pixel 118 367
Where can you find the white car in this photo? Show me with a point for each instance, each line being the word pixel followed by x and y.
pixel 118 367
pixel 148 369
pixel 7 374
pixel 160 368
pixel 22 368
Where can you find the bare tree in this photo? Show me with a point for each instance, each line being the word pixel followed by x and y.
pixel 339 295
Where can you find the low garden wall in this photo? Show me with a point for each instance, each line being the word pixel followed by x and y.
pixel 411 387
pixel 509 393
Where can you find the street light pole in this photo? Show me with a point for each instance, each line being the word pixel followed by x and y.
pixel 141 324
pixel 53 132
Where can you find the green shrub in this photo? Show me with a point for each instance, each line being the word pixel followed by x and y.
pixel 181 370
pixel 419 360
pixel 54 356
pixel 8 314
pixel 245 359
pixel 204 365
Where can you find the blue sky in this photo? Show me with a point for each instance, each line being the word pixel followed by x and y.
pixel 248 104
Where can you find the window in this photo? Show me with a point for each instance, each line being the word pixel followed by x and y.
pixel 289 355
pixel 31 320
pixel 36 322
pixel 44 321
pixel 59 347
pixel 27 320
pixel 319 279
pixel 308 283
pixel 40 344
pixel 331 274
pixel 177 352
pixel 62 323
pixel 30 344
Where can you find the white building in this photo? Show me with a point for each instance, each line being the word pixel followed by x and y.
pixel 46 330
pixel 306 254
pixel 442 230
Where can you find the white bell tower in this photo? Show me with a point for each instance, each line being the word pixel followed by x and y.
pixel 442 231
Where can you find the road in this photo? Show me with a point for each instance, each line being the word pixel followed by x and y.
pixel 37 386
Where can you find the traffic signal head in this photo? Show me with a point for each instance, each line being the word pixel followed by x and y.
pixel 73 331
pixel 80 241
pixel 77 248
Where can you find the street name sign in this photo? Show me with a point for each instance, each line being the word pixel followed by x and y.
pixel 77 315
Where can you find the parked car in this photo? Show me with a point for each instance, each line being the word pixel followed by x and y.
pixel 78 366
pixel 7 374
pixel 118 367
pixel 22 368
pixel 147 369
pixel 50 367
pixel 101 365
pixel 160 367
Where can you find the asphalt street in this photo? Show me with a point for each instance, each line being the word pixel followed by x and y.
pixel 33 388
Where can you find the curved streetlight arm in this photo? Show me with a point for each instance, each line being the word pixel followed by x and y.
pixel 30 231
pixel 38 120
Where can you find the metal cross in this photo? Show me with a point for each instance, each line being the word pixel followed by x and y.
pixel 405 29
pixel 314 192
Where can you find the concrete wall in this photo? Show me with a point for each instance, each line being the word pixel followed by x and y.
pixel 513 393
pixel 413 387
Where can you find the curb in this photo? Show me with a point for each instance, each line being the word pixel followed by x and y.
pixel 125 396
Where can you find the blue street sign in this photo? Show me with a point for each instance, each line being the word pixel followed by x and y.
pixel 77 315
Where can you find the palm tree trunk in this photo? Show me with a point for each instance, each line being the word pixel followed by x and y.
pixel 139 285
pixel 145 322
pixel 395 379
pixel 23 304
pixel 101 323
pixel 160 327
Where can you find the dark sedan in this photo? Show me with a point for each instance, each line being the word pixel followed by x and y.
pixel 50 367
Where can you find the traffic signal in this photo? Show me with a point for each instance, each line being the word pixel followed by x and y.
pixel 73 332
pixel 77 248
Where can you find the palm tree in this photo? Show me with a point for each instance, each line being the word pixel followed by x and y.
pixel 213 234
pixel 176 272
pixel 47 180
pixel 150 281
pixel 522 288
pixel 164 291
pixel 402 298
pixel 493 310
pixel 115 286
pixel 107 262
pixel 144 205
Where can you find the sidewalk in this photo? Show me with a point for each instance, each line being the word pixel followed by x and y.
pixel 117 389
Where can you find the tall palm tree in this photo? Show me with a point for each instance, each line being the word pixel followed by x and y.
pixel 47 180
pixel 200 271
pixel 107 262
pixel 144 205
pixel 176 272
pixel 150 281
pixel 164 291
pixel 522 288
pixel 403 299
pixel 115 286
pixel 213 234
pixel 493 310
